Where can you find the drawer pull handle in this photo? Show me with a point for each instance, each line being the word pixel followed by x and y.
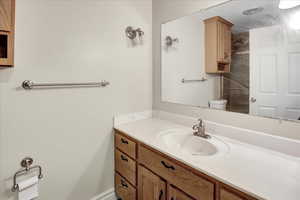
pixel 124 184
pixel 167 166
pixel 161 194
pixel 124 141
pixel 124 158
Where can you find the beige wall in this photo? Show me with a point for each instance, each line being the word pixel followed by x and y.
pixel 69 131
pixel 165 10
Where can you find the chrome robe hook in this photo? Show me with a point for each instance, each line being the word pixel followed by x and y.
pixel 132 33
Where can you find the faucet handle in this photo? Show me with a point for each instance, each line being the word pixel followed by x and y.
pixel 195 127
pixel 201 123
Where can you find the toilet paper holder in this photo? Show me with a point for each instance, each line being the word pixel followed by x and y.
pixel 26 164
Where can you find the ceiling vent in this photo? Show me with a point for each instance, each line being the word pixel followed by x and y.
pixel 253 11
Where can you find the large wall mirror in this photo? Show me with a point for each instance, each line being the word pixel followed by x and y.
pixel 240 56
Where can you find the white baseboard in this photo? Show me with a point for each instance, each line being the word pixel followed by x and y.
pixel 107 195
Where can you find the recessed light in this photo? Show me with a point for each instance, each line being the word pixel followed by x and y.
pixel 294 21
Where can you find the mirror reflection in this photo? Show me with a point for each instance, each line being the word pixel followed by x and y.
pixel 240 56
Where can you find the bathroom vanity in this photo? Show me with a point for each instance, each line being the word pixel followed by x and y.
pixel 157 159
pixel 146 173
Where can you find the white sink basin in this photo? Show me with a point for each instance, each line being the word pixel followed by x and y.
pixel 183 141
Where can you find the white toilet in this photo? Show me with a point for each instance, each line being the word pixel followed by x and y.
pixel 218 104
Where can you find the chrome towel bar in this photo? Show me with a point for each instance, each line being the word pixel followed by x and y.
pixel 195 80
pixel 31 85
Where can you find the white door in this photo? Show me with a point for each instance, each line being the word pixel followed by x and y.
pixel 275 73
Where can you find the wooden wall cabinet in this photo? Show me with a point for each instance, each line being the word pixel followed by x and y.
pixel 142 173
pixel 217 45
pixel 7 29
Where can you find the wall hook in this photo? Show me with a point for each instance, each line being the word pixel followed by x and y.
pixel 132 33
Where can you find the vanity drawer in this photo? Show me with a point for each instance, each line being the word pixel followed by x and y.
pixel 192 184
pixel 125 166
pixel 126 145
pixel 227 193
pixel 123 189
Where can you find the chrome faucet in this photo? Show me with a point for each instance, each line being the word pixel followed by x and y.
pixel 199 130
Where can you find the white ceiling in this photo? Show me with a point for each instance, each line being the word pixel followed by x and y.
pixel 233 12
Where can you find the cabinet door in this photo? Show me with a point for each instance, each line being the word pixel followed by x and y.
pixel 5 15
pixel 224 42
pixel 227 43
pixel 221 42
pixel 175 194
pixel 150 186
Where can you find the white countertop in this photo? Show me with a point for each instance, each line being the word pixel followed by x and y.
pixel 257 171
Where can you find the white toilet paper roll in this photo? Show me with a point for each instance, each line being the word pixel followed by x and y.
pixel 28 189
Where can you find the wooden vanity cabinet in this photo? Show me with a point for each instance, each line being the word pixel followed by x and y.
pixel 228 193
pixel 150 185
pixel 126 166
pixel 123 188
pixel 126 145
pixel 175 194
pixel 217 45
pixel 194 185
pixel 7 28
pixel 143 173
